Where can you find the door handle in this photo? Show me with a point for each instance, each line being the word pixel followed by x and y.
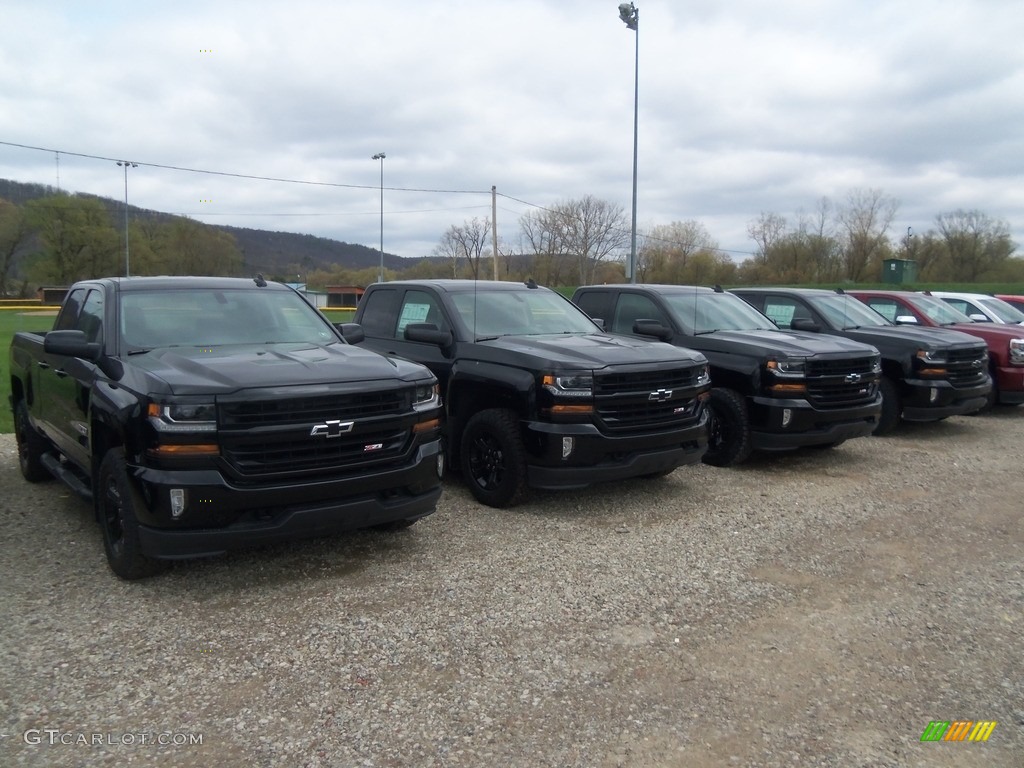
pixel 60 372
pixel 44 366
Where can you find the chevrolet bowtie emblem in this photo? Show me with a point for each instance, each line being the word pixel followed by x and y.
pixel 660 395
pixel 331 429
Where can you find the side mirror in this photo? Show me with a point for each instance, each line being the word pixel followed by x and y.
pixel 979 318
pixel 804 324
pixel 652 328
pixel 428 333
pixel 599 321
pixel 352 332
pixel 72 344
pixel 906 320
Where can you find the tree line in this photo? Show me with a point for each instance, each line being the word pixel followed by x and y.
pixel 572 242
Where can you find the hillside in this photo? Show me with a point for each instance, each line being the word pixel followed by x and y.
pixel 262 250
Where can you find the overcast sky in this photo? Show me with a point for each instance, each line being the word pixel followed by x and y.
pixel 745 107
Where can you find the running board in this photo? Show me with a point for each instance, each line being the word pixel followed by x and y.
pixel 66 476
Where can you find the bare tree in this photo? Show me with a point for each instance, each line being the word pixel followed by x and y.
pixel 865 220
pixel 669 251
pixel 975 243
pixel 465 242
pixel 766 231
pixel 587 230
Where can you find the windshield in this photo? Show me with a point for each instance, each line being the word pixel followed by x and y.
pixel 845 312
pixel 707 312
pixel 1005 312
pixel 520 313
pixel 206 317
pixel 938 311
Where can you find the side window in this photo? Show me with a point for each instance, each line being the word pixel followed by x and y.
pixel 380 313
pixel 887 308
pixel 632 307
pixel 960 304
pixel 420 307
pixel 783 310
pixel 68 318
pixel 90 320
pixel 596 304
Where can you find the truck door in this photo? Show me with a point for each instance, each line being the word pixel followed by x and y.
pixel 69 382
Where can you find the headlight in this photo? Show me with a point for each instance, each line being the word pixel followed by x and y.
pixel 183 417
pixel 704 376
pixel 426 396
pixel 790 368
pixel 1017 351
pixel 932 356
pixel 569 384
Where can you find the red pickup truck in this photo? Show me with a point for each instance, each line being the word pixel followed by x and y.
pixel 1005 342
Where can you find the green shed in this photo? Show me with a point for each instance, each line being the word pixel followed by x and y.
pixel 899 271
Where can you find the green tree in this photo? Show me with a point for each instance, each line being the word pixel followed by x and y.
pixel 14 234
pixel 186 247
pixel 77 237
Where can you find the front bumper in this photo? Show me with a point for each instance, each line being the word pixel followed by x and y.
pixel 597 457
pixel 220 516
pixel 1009 383
pixel 808 425
pixel 919 404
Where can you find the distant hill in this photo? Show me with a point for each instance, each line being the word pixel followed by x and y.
pixel 262 250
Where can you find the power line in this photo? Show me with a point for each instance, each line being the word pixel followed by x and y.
pixel 250 176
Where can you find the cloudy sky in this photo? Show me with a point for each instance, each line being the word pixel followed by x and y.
pixel 745 107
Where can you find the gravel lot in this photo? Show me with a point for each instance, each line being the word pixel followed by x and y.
pixel 810 609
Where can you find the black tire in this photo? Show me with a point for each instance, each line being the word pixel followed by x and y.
pixel 728 429
pixel 116 501
pixel 31 446
pixel 892 407
pixel 493 458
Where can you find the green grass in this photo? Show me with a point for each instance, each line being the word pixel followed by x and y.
pixel 10 322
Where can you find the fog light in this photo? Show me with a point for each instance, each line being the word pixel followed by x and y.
pixel 787 416
pixel 177 502
pixel 933 395
pixel 440 464
pixel 568 443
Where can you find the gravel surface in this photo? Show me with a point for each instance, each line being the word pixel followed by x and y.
pixel 809 609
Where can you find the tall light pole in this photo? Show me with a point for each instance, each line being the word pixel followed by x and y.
pixel 631 17
pixel 380 156
pixel 127 261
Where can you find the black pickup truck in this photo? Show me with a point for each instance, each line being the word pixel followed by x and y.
pixel 205 414
pixel 927 373
pixel 772 390
pixel 535 394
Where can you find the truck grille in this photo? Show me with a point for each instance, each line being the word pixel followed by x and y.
pixel 266 436
pixel 305 453
pixel 645 400
pixel 841 383
pixel 341 406
pixel 966 367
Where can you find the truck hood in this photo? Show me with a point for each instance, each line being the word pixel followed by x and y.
pixel 988 331
pixel 227 369
pixel 585 351
pixel 764 343
pixel 929 338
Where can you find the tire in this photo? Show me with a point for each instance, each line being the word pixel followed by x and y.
pixel 31 446
pixel 891 407
pixel 728 429
pixel 493 458
pixel 116 502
